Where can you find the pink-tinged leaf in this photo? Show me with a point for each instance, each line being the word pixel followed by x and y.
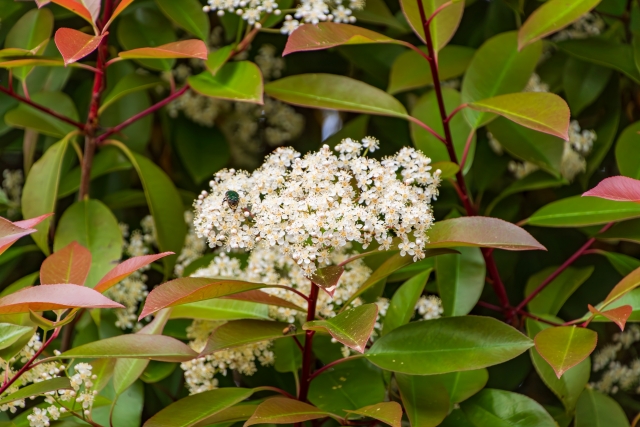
pixel 192 289
pixel 387 412
pixel 627 284
pixel 618 315
pixel 70 264
pixel 565 346
pixel 32 222
pixel 264 298
pixel 75 45
pixel 10 233
pixel 41 3
pixel 126 268
pixel 327 278
pixel 328 34
pixel 54 297
pixel 118 10
pixel 280 410
pixel 618 188
pixel 543 112
pixel 483 232
pixel 181 49
pixel 352 327
pixel 75 7
pixel 93 6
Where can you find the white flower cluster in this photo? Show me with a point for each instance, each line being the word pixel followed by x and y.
pixel 314 204
pixel 574 151
pixel 616 375
pixel 12 188
pixel 251 11
pixel 589 25
pixel 194 246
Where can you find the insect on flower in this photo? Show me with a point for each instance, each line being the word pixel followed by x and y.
pixel 232 198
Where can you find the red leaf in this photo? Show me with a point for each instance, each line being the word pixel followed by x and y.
pixel 54 297
pixel 30 223
pixel 75 7
pixel 75 45
pixel 70 264
pixel 181 49
pixel 618 315
pixel 124 269
pixel 121 6
pixel 10 232
pixel 618 188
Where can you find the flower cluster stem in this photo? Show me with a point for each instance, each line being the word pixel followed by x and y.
pixel 307 355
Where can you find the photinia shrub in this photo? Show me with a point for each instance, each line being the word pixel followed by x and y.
pixel 315 212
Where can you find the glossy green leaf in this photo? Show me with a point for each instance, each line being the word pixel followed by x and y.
pixel 187 14
pixel 402 305
pixel 39 195
pixel 565 346
pixel 490 407
pixel 221 309
pixel 497 68
pixel 190 410
pixel 134 346
pixel 31 32
pixel 443 26
pixel 130 83
pixel 288 356
pixel 347 386
pixel 626 146
pixel 165 205
pixel 628 231
pixel 462 385
pixel 235 81
pixel 106 161
pixel 92 225
pixel 9 334
pixel 600 51
pixel 553 16
pixel 536 180
pixel 281 410
pixel 334 92
pixel 426 110
pixel 447 344
pixel 540 111
pixel 624 264
pixel 203 151
pixel 460 279
pixel 218 58
pixel 157 371
pixel 240 412
pixel 595 409
pixel 240 332
pixel 583 83
pixel 411 71
pixel 627 284
pixel 388 412
pixel 13 349
pixel 377 12
pixel 25 116
pixel 425 399
pixel 37 389
pixel 551 299
pixel 580 211
pixel 351 327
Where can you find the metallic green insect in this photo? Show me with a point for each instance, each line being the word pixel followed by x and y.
pixel 232 198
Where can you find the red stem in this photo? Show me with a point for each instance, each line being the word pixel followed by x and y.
pixel 437 11
pixel 307 355
pixel 276 389
pixel 453 113
pixel 467 145
pixel 44 109
pixel 427 128
pixel 539 319
pixel 330 365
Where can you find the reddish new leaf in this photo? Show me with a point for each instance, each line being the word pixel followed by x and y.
pixel 70 264
pixel 75 7
pixel 181 49
pixel 618 188
pixel 32 222
pixel 627 284
pixel 387 412
pixel 121 6
pixel 327 278
pixel 75 45
pixel 124 269
pixel 280 410
pixel 618 315
pixel 10 232
pixel 565 346
pixel 352 327
pixel 54 297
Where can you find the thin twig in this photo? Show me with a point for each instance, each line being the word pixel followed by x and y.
pixel 467 145
pixel 331 365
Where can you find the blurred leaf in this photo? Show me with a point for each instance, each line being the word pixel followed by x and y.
pixel 53 297
pixel 444 24
pixel 490 406
pixel 583 83
pixel 627 284
pixel 157 371
pixel 180 49
pixel 26 282
pixel 551 299
pixel 354 129
pixel 595 409
pixel 497 68
pixel 218 58
pixel 553 16
pixel 25 116
pixel 536 180
pixel 402 305
pixel 235 81
pixel 36 389
pixel 75 45
pixel 187 14
pixel 578 211
pixel 624 264
pixel 425 399
pixel 125 199
pixel 106 161
pixel 9 334
pixel 203 151
pixel 460 280
pixel 388 412
pixel 288 356
pixel 447 344
pixel 351 327
pixel 130 83
pixel 377 12
pixel 626 149
pixel 221 309
pixel 122 5
pixel 281 410
pixel 69 264
pixel 76 7
pixel 30 33
pixel 564 347
pixel 603 52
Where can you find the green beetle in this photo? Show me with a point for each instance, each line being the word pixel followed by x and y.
pixel 232 198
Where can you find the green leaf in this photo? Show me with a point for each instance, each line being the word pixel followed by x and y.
pixel 31 32
pixel 347 386
pixel 37 389
pixel 281 410
pixel 425 399
pixel 377 12
pixel 134 346
pixel 146 27
pixel 351 327
pixel 551 299
pixel 626 150
pixel 335 92
pixel 188 411
pixel 241 412
pixel 157 371
pixel 564 347
pixel 624 264
pixel 221 309
pixel 571 384
pixel 187 14
pixel 27 281
pixel 603 52
pixel 92 225
pixel 491 408
pixel 25 116
pixel 106 161
pixel 411 71
pixel 288 356
pixel 165 205
pixel 235 81
pixel 595 409
pixel 580 211
pixel 388 412
pixel 240 332
pixel 9 334
pixel 448 344
pixel 41 187
pixel 540 111
pixel 402 305
pixel 553 16
pixel 443 26
pixel 202 150
pixel 462 385
pixel 130 83
pixel 460 280
pixel 583 83
pixel 497 68
pixel 217 59
pixel 426 110
pixel 13 349
pixel 536 180
pixel 627 284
